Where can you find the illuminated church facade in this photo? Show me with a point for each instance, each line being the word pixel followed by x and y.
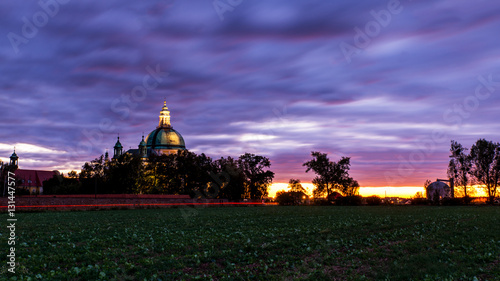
pixel 163 140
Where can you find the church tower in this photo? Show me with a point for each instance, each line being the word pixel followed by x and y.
pixel 14 159
pixel 164 117
pixel 143 150
pixel 118 149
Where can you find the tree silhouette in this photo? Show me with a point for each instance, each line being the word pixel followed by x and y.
pixel 73 175
pixel 459 168
pixel 230 179
pixel 331 175
pixel 295 186
pixel 257 179
pixel 427 183
pixel 93 176
pixel 485 157
pixel 124 175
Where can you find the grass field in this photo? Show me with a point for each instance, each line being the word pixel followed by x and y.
pixel 259 243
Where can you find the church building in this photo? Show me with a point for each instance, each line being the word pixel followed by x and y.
pixel 162 140
pixel 29 180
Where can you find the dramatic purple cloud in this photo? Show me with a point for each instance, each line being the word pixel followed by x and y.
pixel 388 83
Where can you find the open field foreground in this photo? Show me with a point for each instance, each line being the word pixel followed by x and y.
pixel 259 243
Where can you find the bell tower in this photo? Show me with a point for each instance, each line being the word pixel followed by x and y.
pixel 14 159
pixel 143 150
pixel 118 149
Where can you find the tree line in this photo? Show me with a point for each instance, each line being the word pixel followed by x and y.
pixel 184 173
pixel 187 173
pixel 478 166
pixel 248 176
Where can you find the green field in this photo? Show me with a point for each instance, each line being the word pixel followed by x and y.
pixel 259 243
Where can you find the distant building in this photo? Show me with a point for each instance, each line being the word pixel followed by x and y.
pixel 163 140
pixel 30 180
pixel 439 190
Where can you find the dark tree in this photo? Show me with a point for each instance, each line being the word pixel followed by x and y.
pixel 182 173
pixel 193 175
pixel 284 198
pixel 485 157
pixel 93 176
pixel 161 175
pixel 427 183
pixel 73 175
pixel 296 186
pixel 257 178
pixel 294 196
pixel 229 178
pixel 59 184
pixel 124 174
pixel 331 176
pixel 322 166
pixel 4 170
pixel 373 200
pixel 459 168
pixel 349 187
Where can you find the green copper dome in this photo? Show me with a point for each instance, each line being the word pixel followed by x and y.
pixel 165 138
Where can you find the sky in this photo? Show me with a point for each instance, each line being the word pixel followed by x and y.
pixel 387 83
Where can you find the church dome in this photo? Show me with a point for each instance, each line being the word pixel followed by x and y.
pixel 165 138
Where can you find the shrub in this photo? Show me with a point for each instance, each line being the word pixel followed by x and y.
pixel 290 197
pixel 373 200
pixel 349 200
pixel 321 202
pixel 452 201
pixel 419 201
pixel 285 199
pixel 22 191
pixel 333 196
pixel 467 200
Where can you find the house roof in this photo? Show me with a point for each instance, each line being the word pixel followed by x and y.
pixel 33 178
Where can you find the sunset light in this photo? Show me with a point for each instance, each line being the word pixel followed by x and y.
pixel 400 191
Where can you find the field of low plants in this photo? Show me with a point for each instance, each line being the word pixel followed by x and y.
pixel 259 243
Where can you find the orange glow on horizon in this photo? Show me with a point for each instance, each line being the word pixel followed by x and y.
pixel 365 191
